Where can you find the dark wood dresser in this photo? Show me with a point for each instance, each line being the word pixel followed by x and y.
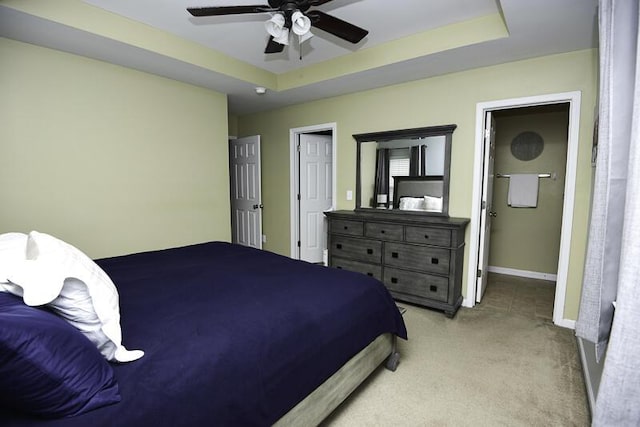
pixel 418 257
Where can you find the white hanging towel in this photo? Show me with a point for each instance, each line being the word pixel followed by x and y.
pixel 523 190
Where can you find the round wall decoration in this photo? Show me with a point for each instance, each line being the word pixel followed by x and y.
pixel 527 146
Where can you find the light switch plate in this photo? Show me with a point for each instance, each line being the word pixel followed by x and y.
pixel 349 195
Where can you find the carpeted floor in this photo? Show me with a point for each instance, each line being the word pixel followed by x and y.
pixel 493 365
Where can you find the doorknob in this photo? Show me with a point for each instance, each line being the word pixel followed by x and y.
pixel 493 214
pixel 258 206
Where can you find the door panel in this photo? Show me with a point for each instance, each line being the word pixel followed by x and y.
pixel 487 208
pixel 246 204
pixel 316 168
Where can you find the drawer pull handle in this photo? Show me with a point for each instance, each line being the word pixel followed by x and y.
pixel 339 246
pixel 369 251
pixel 435 261
pixel 382 231
pixel 346 227
pixel 426 236
pixel 433 288
pixel 339 268
pixel 370 274
pixel 394 254
pixel 394 280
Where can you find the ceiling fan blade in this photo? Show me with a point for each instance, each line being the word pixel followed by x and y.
pixel 273 46
pixel 228 10
pixel 318 2
pixel 337 26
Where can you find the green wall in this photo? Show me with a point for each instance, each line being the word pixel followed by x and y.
pixel 539 227
pixel 446 99
pixel 109 159
pixel 233 125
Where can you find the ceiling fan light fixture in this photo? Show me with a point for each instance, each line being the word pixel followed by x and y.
pixel 276 28
pixel 283 37
pixel 300 24
pixel 304 37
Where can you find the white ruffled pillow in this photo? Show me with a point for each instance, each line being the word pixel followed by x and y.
pixel 433 203
pixel 76 288
pixel 411 203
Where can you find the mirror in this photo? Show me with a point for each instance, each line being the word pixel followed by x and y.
pixel 404 170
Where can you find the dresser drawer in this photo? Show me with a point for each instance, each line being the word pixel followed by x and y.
pixel 357 249
pixel 429 236
pixel 357 266
pixel 417 284
pixel 342 226
pixel 424 258
pixel 383 231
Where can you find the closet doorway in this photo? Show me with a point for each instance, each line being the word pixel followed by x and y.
pixel 537 136
pixel 528 194
pixel 312 189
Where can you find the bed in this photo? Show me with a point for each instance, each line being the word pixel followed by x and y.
pixel 238 336
pixel 419 193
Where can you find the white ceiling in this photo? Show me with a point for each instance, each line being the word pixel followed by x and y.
pixel 536 28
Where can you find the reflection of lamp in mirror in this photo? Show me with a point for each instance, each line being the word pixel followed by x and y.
pixel 382 201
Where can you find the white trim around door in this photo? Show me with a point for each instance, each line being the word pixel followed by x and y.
pixel 573 98
pixel 294 170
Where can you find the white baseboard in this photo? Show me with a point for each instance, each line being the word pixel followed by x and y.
pixel 523 273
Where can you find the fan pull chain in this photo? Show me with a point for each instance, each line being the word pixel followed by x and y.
pixel 300 47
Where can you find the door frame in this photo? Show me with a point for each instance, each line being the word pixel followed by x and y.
pixel 573 99
pixel 294 183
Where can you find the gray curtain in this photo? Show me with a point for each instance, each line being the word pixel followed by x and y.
pixel 381 185
pixel 414 161
pixel 612 269
pixel 418 160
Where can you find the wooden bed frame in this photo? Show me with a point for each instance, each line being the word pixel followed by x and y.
pixel 335 390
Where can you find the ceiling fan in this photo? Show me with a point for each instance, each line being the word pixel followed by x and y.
pixel 290 14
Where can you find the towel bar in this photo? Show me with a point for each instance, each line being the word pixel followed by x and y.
pixel 540 175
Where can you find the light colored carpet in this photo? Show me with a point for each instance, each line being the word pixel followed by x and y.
pixel 487 367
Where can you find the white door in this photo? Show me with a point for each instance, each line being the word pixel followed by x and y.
pixel 486 213
pixel 246 197
pixel 316 171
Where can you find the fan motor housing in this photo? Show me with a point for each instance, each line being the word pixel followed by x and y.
pixel 289 5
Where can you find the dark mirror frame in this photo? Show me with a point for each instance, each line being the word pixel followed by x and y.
pixel 446 130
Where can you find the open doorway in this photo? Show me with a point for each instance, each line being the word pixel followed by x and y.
pixel 530 142
pixel 562 194
pixel 313 189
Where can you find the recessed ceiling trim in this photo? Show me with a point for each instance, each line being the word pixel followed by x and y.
pixel 85 17
pixel 479 30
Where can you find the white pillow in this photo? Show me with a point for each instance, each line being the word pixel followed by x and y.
pixel 411 203
pixel 38 282
pixel 433 203
pixel 77 289
pixel 13 249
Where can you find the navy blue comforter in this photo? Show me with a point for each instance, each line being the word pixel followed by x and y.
pixel 232 336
